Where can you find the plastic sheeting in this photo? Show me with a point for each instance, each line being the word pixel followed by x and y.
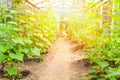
pixel 7 3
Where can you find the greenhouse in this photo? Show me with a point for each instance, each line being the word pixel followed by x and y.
pixel 59 39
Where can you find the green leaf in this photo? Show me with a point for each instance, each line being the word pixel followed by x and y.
pixel 93 71
pixel 12 22
pixel 30 54
pixel 25 50
pixel 113 78
pixel 12 71
pixel 3 48
pixel 17 56
pixel 41 44
pixel 102 64
pixel 115 59
pixel 9 16
pixel 42 58
pixel 18 40
pixel 36 51
pixel 27 40
pixel 117 1
pixel 113 74
pixel 2 32
pixel 3 57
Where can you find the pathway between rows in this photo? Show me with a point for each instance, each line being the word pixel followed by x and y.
pixel 60 63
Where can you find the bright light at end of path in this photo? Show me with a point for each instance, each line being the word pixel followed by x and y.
pixel 65 19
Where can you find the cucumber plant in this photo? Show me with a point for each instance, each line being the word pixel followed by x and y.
pixel 22 36
pixel 103 43
pixel 106 57
pixel 13 48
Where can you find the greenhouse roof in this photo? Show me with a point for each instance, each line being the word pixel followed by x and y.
pixel 59 5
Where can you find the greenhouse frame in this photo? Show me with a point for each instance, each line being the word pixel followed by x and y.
pixel 59 39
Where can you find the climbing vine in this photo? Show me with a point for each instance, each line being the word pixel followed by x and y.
pixel 23 34
pixel 102 43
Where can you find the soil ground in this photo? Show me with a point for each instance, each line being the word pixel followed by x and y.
pixel 60 63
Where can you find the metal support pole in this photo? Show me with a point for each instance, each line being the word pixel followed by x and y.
pixel 113 6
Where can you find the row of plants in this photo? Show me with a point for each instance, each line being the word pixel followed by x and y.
pixel 25 32
pixel 83 29
pixel 102 43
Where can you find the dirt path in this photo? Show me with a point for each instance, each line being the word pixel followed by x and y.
pixel 60 64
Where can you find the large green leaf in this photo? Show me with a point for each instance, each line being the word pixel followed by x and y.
pixel 18 40
pixel 12 71
pixel 112 78
pixel 113 74
pixel 17 56
pixel 102 64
